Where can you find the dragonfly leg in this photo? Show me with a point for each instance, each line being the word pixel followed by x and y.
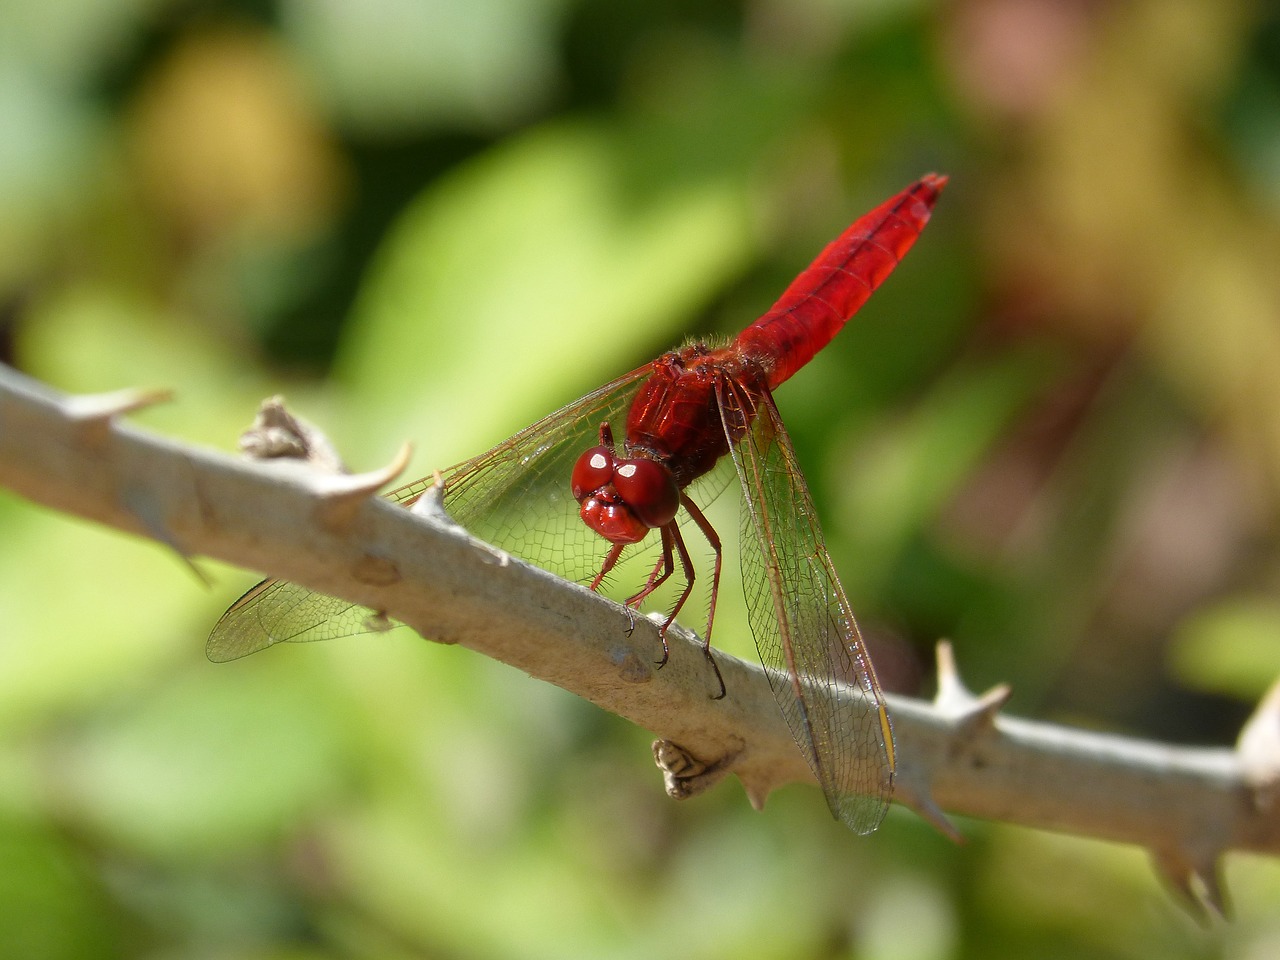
pixel 713 538
pixel 686 565
pixel 610 561
pixel 657 576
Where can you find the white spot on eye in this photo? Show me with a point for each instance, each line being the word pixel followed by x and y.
pixel 598 461
pixel 627 470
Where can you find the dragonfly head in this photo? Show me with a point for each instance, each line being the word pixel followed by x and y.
pixel 622 500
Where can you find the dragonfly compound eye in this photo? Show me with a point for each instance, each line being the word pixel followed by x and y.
pixel 648 488
pixel 592 471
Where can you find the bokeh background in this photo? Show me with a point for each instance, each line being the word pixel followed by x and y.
pixel 1053 436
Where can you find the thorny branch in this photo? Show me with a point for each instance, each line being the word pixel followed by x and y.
pixel 331 533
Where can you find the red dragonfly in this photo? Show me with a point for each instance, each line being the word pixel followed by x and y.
pixel 551 491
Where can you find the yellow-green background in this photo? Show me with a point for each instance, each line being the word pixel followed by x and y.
pixel 1054 437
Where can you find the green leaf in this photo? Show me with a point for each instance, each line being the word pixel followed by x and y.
pixel 525 279
pixel 1231 647
pixel 214 759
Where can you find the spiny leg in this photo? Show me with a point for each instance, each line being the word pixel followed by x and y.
pixel 610 561
pixel 655 579
pixel 713 538
pixel 666 563
pixel 671 535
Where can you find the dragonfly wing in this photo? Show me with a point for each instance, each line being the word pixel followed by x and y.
pixel 804 629
pixel 515 496
pixel 276 611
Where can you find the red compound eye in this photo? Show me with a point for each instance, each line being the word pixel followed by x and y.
pixel 592 471
pixel 648 488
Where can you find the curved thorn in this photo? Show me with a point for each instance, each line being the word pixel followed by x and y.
pixel 343 494
pixel 1259 749
pixel 430 503
pixel 757 789
pixel 928 810
pixel 96 406
pixel 1195 882
pixel 142 507
pixel 966 710
pixel 93 413
pixel 950 686
pixel 914 794
pixel 982 712
pixel 1213 890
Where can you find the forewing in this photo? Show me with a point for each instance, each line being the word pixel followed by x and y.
pixel 515 496
pixel 804 629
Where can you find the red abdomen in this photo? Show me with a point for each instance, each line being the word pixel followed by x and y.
pixel 676 416
pixel 838 282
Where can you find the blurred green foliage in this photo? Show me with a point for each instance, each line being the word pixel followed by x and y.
pixel 1054 437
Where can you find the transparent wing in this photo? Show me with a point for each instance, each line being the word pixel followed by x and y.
pixel 515 496
pixel 804 629
pixel 275 611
